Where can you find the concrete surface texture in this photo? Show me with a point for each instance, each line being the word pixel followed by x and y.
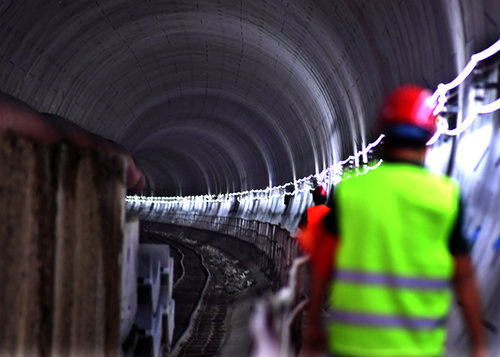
pixel 61 216
pixel 223 96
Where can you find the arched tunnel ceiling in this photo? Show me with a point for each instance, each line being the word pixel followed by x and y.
pixel 222 95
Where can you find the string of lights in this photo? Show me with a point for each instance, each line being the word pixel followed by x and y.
pixel 440 97
pixel 330 173
pixel 473 113
pixel 333 173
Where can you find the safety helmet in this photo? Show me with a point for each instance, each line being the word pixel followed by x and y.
pixel 319 191
pixel 407 113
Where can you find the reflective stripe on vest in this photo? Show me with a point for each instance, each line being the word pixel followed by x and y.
pixel 390 280
pixel 385 320
pixel 391 294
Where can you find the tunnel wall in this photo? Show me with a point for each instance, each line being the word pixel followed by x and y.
pixel 61 217
pixel 280 211
pixel 473 159
pixel 280 205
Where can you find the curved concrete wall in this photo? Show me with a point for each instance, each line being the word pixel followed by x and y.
pixel 222 96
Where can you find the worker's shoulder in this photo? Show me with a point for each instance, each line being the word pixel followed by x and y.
pixel 319 209
pixel 439 180
pixel 399 174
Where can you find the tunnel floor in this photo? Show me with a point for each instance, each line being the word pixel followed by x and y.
pixel 236 340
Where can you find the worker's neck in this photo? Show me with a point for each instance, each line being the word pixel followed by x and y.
pixel 415 155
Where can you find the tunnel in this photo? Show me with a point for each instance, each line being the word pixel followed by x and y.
pixel 231 111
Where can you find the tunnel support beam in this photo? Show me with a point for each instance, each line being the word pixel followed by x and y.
pixel 61 220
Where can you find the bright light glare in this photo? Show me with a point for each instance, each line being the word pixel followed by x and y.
pixel 471 149
pixel 480 109
pixel 439 95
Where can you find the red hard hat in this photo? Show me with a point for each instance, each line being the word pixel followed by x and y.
pixel 408 112
pixel 319 191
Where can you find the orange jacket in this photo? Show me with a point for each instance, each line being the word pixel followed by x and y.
pixel 310 232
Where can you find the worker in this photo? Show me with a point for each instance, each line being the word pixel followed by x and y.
pixel 394 250
pixel 308 223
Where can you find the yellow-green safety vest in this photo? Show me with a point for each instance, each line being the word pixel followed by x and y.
pixel 391 293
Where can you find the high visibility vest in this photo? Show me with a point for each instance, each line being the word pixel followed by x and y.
pixel 391 294
pixel 308 238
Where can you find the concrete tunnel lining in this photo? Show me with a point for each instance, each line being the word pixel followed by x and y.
pixel 314 69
